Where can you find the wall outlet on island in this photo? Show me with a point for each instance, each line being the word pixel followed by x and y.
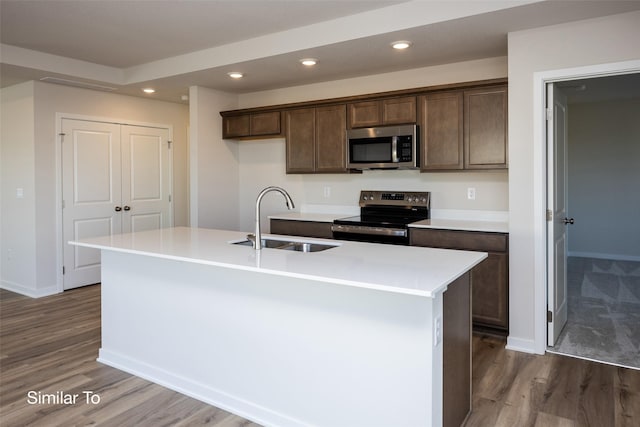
pixel 437 331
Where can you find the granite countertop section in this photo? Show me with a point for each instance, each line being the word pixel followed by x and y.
pixel 418 271
pixel 463 225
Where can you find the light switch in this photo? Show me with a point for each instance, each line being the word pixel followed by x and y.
pixel 19 193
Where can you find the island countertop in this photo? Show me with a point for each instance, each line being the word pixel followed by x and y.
pixel 390 268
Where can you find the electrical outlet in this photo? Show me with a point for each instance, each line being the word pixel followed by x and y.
pixel 437 331
pixel 471 193
pixel 327 192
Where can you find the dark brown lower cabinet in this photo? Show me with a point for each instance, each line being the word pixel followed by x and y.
pixel 301 228
pixel 489 279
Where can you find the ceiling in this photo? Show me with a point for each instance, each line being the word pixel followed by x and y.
pixel 123 46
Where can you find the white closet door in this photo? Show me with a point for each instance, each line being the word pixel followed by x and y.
pixel 91 192
pixel 115 179
pixel 146 178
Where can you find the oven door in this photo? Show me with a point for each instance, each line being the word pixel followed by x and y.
pixel 371 234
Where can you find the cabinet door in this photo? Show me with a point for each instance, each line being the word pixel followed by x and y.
pixel 364 114
pixel 300 136
pixel 265 123
pixel 485 128
pixel 236 126
pixel 331 139
pixel 490 291
pixel 441 124
pixel 399 110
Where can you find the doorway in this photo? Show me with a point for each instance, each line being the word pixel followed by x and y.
pixel 602 201
pixel 116 178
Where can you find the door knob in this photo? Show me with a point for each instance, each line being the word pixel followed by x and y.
pixel 118 208
pixel 568 221
pixel 127 208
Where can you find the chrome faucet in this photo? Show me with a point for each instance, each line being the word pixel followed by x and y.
pixel 257 237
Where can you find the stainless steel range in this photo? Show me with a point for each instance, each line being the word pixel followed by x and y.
pixel 384 217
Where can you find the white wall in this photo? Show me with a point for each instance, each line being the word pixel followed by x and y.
pixel 214 162
pixel 17 165
pixel 604 178
pixel 262 162
pixel 577 44
pixel 49 100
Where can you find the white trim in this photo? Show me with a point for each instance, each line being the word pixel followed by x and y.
pixel 519 344
pixel 30 292
pixel 540 80
pixel 613 257
pixel 202 392
pixel 58 154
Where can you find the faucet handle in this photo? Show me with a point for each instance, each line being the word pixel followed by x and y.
pixel 252 238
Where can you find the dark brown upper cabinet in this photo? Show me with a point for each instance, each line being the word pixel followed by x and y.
pixel 485 128
pixel 441 131
pixel 391 111
pixel 316 139
pixel 464 129
pixel 253 125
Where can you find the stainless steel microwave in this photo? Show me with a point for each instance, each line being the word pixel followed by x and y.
pixel 387 147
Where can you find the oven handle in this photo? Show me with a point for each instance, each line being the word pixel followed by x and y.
pixel 373 231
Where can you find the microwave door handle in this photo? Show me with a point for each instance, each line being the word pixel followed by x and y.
pixel 394 149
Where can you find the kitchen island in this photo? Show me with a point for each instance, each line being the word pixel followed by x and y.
pixel 359 334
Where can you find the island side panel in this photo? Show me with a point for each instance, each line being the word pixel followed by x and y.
pixel 457 352
pixel 276 350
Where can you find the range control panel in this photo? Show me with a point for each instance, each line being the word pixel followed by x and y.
pixel 395 198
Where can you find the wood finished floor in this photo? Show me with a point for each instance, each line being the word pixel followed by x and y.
pixel 50 344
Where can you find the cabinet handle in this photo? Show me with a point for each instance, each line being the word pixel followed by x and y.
pixel 568 221
pixel 118 208
pixel 127 208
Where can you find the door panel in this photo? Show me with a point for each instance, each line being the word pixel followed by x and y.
pixel 90 193
pixel 146 183
pixel 557 204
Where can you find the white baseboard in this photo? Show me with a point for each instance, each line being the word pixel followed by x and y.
pixel 23 290
pixel 196 390
pixel 520 344
pixel 613 257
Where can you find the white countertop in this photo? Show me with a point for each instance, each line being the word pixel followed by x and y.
pixel 390 268
pixel 463 225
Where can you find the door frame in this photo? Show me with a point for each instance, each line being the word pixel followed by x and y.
pixel 58 174
pixel 540 158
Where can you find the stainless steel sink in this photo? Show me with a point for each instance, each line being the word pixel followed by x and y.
pixel 288 245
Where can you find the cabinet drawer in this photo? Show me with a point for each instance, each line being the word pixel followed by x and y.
pixel 464 240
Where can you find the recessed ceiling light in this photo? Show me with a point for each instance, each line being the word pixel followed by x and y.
pixel 148 90
pixel 401 44
pixel 309 62
pixel 235 75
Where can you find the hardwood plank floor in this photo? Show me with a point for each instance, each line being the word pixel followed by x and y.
pixel 50 344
